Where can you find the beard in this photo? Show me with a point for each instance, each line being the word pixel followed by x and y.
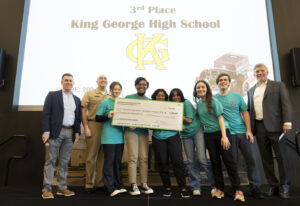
pixel 223 89
pixel 141 94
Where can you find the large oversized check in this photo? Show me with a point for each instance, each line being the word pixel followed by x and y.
pixel 148 114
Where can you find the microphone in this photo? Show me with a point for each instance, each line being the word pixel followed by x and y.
pixel 47 144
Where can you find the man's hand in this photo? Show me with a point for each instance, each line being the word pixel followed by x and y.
pixel 76 137
pixel 286 128
pixel 45 137
pixel 225 143
pixel 87 132
pixel 249 136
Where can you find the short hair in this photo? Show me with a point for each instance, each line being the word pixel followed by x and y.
pixel 66 74
pixel 179 93
pixel 223 75
pixel 260 65
pixel 137 81
pixel 153 96
pixel 113 84
pixel 101 76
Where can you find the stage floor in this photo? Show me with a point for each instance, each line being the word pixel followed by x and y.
pixel 14 196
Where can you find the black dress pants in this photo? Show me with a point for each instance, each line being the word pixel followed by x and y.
pixel 266 141
pixel 172 148
pixel 213 144
pixel 112 166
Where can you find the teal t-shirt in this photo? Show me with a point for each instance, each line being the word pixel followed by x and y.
pixel 210 122
pixel 233 104
pixel 137 130
pixel 163 134
pixel 190 129
pixel 110 134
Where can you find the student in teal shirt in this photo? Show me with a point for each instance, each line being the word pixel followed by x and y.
pixel 137 143
pixel 112 141
pixel 167 144
pixel 216 136
pixel 193 142
pixel 240 129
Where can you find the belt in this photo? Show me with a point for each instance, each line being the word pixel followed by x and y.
pixel 67 127
pixel 259 120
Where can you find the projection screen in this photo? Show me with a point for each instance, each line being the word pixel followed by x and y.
pixel 172 43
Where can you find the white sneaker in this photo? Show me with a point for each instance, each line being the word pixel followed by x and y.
pixel 196 192
pixel 134 190
pixel 115 192
pixel 122 190
pixel 146 189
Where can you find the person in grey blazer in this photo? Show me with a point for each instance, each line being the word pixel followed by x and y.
pixel 271 116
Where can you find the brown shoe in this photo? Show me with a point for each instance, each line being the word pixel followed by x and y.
pixel 47 194
pixel 65 192
pixel 213 192
pixel 217 193
pixel 239 196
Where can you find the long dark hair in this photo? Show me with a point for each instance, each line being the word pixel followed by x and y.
pixel 153 96
pixel 179 93
pixel 208 96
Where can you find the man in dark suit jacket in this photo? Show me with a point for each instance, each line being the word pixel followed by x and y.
pixel 271 116
pixel 61 126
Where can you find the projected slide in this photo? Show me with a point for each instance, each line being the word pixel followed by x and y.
pixel 172 43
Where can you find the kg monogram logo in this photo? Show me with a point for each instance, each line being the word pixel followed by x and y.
pixel 147 46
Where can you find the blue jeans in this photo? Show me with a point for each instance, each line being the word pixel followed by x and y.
pixel 195 151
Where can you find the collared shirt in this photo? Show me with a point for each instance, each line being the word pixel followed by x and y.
pixel 258 99
pixel 69 109
pixel 91 101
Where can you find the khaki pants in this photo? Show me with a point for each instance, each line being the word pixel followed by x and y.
pixel 94 156
pixel 137 147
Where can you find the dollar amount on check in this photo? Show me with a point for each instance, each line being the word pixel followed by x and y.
pixel 148 114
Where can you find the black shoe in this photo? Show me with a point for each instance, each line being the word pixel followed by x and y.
pixel 167 192
pixel 273 191
pixel 284 194
pixel 257 194
pixel 185 193
pixel 89 190
pixel 146 189
pixel 101 189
